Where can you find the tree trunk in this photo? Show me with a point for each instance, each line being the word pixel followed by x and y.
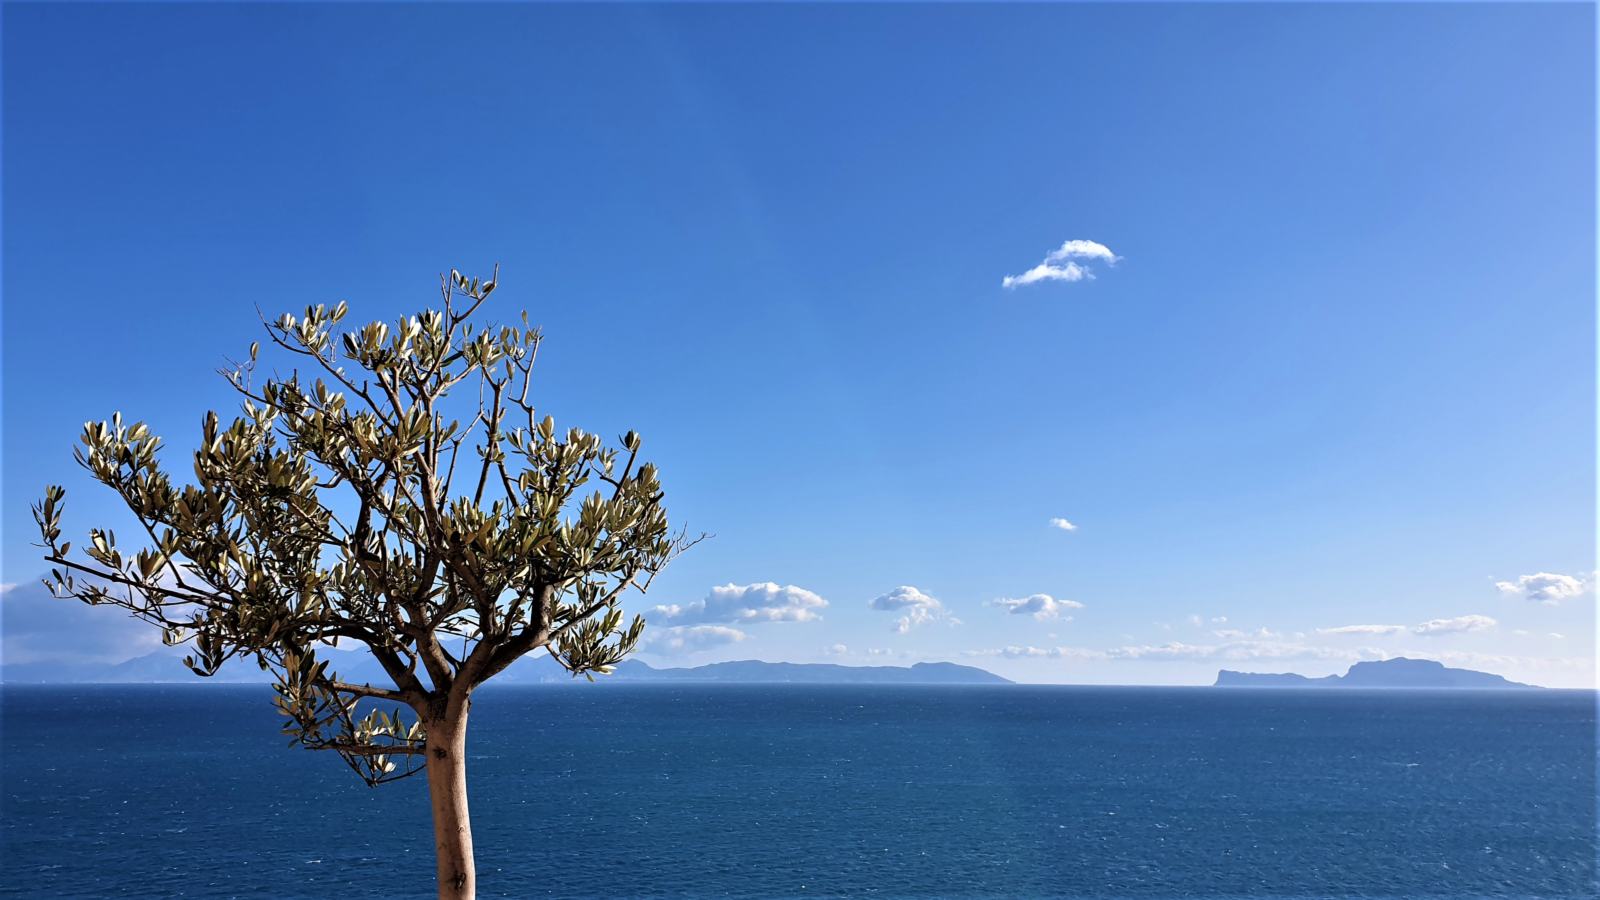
pixel 447 789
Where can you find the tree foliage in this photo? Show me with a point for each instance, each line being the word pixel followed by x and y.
pixel 360 504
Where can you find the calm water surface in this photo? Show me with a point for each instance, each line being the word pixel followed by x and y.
pixel 806 791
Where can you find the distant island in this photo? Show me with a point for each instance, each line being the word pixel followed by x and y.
pixel 163 667
pixel 1399 672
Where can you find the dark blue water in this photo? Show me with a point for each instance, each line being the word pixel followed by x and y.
pixel 757 791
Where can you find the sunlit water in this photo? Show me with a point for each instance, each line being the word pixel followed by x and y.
pixel 777 791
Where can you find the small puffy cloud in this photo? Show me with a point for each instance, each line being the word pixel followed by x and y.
pixel 916 607
pixel 1363 629
pixel 904 597
pixel 746 604
pixel 1062 524
pixel 1040 606
pixel 1456 625
pixel 1546 587
pixel 689 638
pixel 1062 264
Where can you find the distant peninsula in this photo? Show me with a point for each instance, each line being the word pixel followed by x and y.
pixel 163 667
pixel 1399 672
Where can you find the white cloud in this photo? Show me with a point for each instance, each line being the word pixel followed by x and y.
pixel 1546 587
pixel 887 652
pixel 1062 524
pixel 1015 652
pixel 1082 250
pixel 836 650
pixel 918 607
pixel 1047 272
pixel 746 603
pixel 1060 264
pixel 1363 629
pixel 904 597
pixel 1454 626
pixel 689 638
pixel 1241 650
pixel 1500 663
pixel 1236 634
pixel 1431 627
pixel 1040 606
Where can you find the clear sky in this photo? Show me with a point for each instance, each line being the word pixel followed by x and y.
pixel 1340 373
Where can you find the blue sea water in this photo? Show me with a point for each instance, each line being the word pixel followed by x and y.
pixel 824 791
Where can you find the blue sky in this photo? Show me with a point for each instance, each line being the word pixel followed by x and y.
pixel 1340 374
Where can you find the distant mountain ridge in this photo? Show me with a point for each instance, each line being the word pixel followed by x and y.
pixel 752 671
pixel 1399 672
pixel 163 667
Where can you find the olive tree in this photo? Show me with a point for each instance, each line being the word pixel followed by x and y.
pixel 353 505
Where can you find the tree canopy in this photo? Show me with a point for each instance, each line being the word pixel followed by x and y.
pixel 357 503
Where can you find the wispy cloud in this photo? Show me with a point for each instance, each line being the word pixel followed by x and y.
pixel 1363 629
pixel 1242 650
pixel 1062 524
pixel 745 603
pixel 1234 651
pixel 1499 662
pixel 1040 606
pixel 1454 626
pixel 1239 634
pixel 1547 587
pixel 689 638
pixel 915 606
pixel 1062 264
pixel 1018 652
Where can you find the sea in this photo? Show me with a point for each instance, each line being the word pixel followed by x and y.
pixel 702 791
